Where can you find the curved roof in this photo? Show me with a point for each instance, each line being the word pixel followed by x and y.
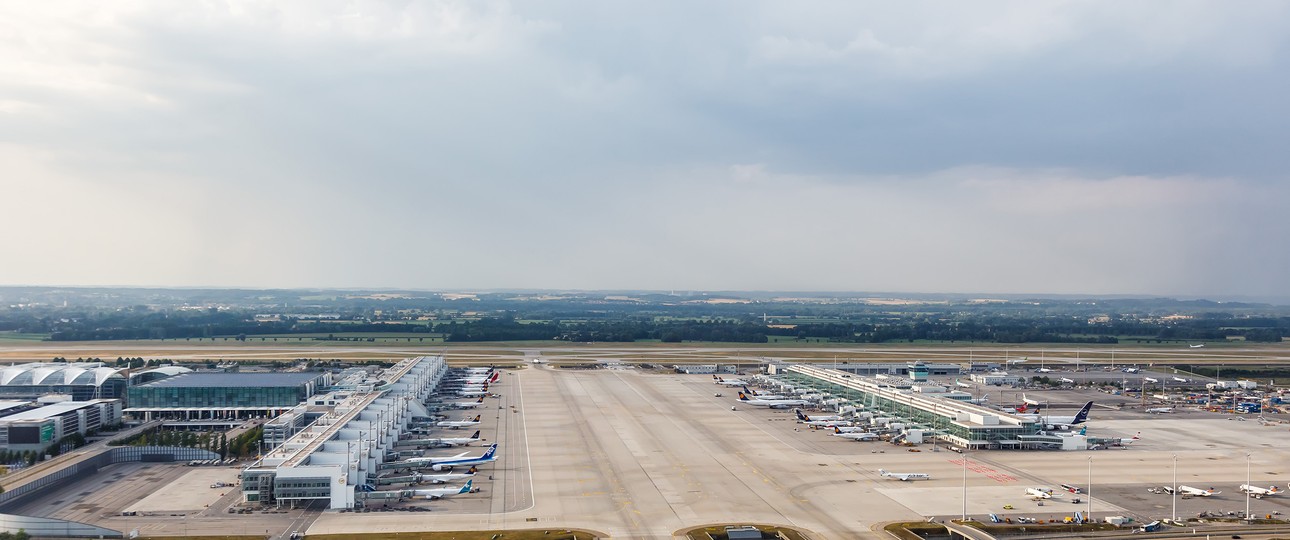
pixel 45 374
pixel 166 370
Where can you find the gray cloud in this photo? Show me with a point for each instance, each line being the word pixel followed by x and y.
pixel 1005 147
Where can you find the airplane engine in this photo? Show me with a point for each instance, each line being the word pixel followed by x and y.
pixel 442 467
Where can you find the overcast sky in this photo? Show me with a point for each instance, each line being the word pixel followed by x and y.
pixel 1008 147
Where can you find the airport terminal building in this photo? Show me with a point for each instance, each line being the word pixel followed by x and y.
pixel 327 459
pixel 953 421
pixel 81 380
pixel 209 395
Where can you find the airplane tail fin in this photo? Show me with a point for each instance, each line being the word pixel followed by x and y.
pixel 475 435
pixel 476 418
pixel 1082 415
pixel 491 450
pixel 801 416
pixel 473 469
pixel 882 472
pixel 466 488
pixel 742 397
pixel 480 400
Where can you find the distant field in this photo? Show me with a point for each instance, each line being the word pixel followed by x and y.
pixel 19 336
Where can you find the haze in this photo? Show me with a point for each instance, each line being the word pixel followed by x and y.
pixel 1009 147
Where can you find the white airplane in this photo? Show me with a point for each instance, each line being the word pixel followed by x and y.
pixel 1043 370
pixel 1041 493
pixel 731 382
pixel 1131 370
pixel 904 477
pixel 962 384
pixel 848 429
pixel 1062 422
pixel 763 396
pixel 456 441
pixel 1197 346
pixel 459 460
pixel 1197 492
pixel 855 436
pixel 478 380
pixel 456 424
pixel 1068 381
pixel 1151 380
pixel 772 403
pixel 1182 379
pixel 447 477
pixel 467 404
pixel 439 493
pixel 1029 401
pixel 1258 492
pixel 1160 410
pixel 473 392
pixel 811 419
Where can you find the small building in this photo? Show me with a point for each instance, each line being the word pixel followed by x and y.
pixel 700 369
pixel 997 378
pixel 38 428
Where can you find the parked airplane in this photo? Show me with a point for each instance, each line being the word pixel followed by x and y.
pixel 1258 492
pixel 478 380
pixel 1182 379
pixel 1130 370
pixel 1041 493
pixel 1150 380
pixel 1197 346
pixel 811 419
pixel 455 424
pixel 763 396
pixel 448 477
pixel 1029 401
pixel 456 441
pixel 473 392
pixel 467 404
pixel 439 493
pixel 772 403
pixel 1043 370
pixel 1160 410
pixel 904 477
pixel 1063 422
pixel 1068 381
pixel 848 429
pixel 855 436
pixel 1197 492
pixel 731 382
pixel 1131 440
pixel 459 460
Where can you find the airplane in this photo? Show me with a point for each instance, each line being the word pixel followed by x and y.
pixel 1182 379
pixel 808 419
pixel 1150 380
pixel 731 382
pixel 439 493
pixel 1041 493
pixel 478 380
pixel 1130 370
pixel 1029 401
pixel 455 424
pixel 772 403
pixel 473 392
pixel 1043 370
pixel 467 404
pixel 855 436
pixel 903 477
pixel 1197 346
pixel 848 429
pixel 459 460
pixel 448 477
pixel 456 441
pixel 1160 410
pixel 1258 492
pixel 1068 381
pixel 1197 492
pixel 764 396
pixel 1063 422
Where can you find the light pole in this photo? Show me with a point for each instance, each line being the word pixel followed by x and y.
pixel 965 458
pixel 1247 486
pixel 1174 495
pixel 1089 495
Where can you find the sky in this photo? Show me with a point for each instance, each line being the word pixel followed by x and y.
pixel 1006 147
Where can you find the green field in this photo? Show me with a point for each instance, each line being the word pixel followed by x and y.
pixel 19 336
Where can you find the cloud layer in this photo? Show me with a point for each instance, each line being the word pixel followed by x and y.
pixel 1002 147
